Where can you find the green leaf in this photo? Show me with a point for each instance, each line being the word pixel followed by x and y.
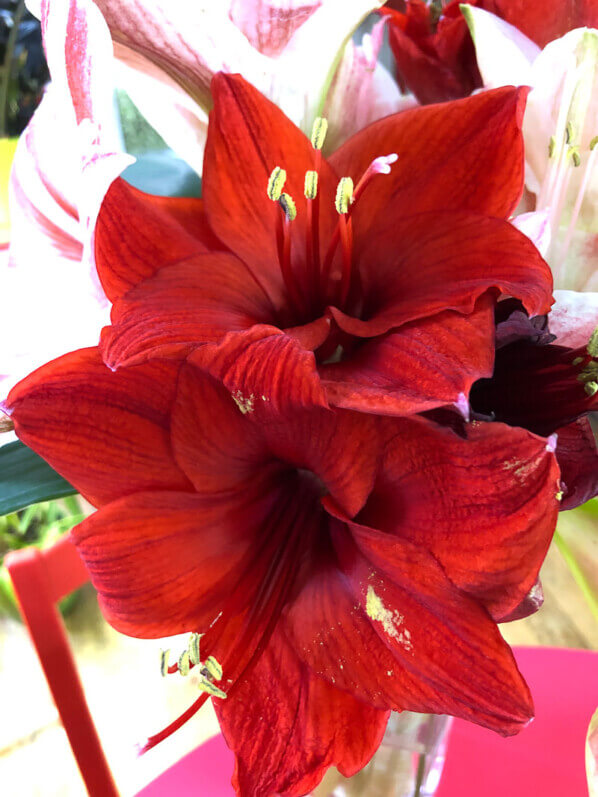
pixel 25 478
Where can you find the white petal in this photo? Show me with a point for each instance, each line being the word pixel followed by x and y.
pixel 573 318
pixel 503 53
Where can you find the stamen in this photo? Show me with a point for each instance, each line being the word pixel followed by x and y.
pixel 152 741
pixel 318 132
pixel 214 668
pixel 344 195
pixel 193 649
pixel 184 663
pixel 311 184
pixel 211 689
pixel 592 347
pixel 164 662
pixel 551 146
pixel 287 203
pixel 591 388
pixel 276 183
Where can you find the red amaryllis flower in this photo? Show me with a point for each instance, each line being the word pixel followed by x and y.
pixel 374 292
pixel 329 575
pixel 435 56
pixel 546 388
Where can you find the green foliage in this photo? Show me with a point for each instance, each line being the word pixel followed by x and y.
pixel 25 479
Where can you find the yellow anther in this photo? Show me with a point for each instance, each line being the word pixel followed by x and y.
pixel 569 133
pixel 287 203
pixel 193 649
pixel 311 184
pixel 211 689
pixel 577 361
pixel 184 663
pixel 318 132
pixel 573 153
pixel 592 348
pixel 591 388
pixel 593 142
pixel 164 662
pixel 551 146
pixel 276 183
pixel 344 194
pixel 213 668
pixel 559 495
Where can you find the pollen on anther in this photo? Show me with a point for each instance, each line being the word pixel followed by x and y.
pixel 593 143
pixel 276 183
pixel 551 146
pixel 311 184
pixel 592 347
pixel 184 663
pixel 591 388
pixel 287 203
pixel 318 132
pixel 344 194
pixel 164 662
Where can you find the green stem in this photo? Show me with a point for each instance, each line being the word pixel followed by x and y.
pixel 577 574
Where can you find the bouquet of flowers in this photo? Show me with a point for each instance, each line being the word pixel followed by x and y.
pixel 329 411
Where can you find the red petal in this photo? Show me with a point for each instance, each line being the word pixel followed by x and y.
pixel 491 524
pixel 166 562
pixel 220 446
pixel 422 365
pixel 380 619
pixel 107 433
pixel 463 155
pixel 265 371
pixel 425 264
pixel 577 456
pixel 435 66
pixel 543 23
pixel 287 726
pixel 181 307
pixel 137 234
pixel 248 137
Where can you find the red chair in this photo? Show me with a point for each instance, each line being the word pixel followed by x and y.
pixel 41 579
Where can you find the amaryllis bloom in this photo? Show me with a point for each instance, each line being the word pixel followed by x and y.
pixel 329 576
pixel 434 54
pixel 366 280
pixel 166 54
pixel 548 389
pixel 560 129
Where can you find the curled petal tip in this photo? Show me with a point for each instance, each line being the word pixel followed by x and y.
pixel 462 405
pixel 551 443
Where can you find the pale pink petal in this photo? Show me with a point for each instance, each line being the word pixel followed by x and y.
pixel 573 317
pixel 536 226
pixel 64 163
pixel 190 41
pixel 362 90
pixel 269 24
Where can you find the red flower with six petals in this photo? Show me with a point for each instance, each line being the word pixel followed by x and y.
pixel 329 574
pixel 387 307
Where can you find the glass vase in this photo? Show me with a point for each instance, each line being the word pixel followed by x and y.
pixel 408 763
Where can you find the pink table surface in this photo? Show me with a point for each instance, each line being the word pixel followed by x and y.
pixel 545 760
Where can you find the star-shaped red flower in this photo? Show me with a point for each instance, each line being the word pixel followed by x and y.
pixel 385 306
pixel 338 564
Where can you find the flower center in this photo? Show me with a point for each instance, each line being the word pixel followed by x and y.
pixel 311 288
